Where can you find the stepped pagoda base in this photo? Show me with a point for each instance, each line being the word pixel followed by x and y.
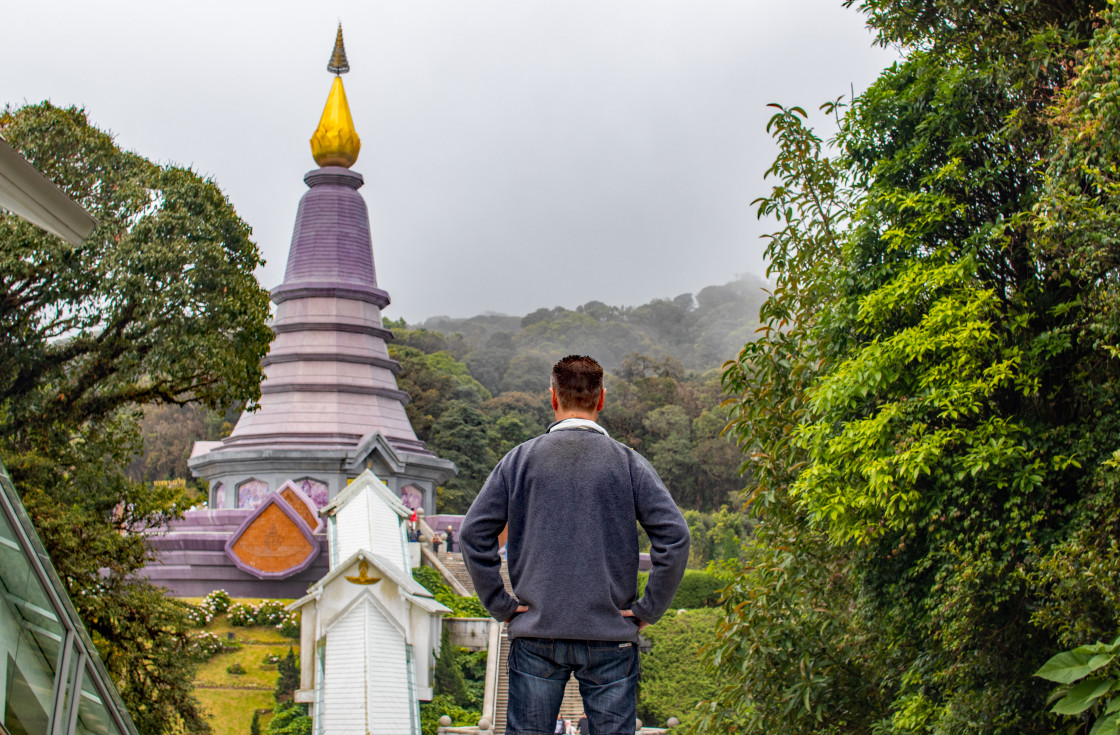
pixel 193 562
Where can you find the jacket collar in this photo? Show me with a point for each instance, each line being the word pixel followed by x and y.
pixel 585 424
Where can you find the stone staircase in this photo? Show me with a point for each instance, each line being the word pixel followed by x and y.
pixel 458 569
pixel 502 696
pixel 570 708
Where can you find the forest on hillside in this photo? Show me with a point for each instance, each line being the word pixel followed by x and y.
pixel 479 387
pixel 700 331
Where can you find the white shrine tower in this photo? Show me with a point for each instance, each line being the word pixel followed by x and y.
pixel 370 634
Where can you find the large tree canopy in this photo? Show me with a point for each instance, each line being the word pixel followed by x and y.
pixel 931 416
pixel 159 305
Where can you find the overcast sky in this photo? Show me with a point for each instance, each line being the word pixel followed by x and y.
pixel 516 153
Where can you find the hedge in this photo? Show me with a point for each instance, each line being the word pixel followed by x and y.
pixel 675 677
pixel 699 588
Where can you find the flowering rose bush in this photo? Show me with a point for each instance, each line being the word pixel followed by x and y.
pixel 199 616
pixel 269 612
pixel 289 624
pixel 206 645
pixel 242 614
pixel 217 602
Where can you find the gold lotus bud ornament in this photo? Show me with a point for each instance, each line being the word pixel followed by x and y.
pixel 336 142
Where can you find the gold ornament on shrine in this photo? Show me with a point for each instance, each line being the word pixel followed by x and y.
pixel 363 574
pixel 336 142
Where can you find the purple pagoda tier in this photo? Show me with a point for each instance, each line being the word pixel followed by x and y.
pixel 330 381
pixel 329 409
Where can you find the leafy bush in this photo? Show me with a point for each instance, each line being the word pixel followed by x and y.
pixel 270 659
pixel 429 579
pixel 289 624
pixel 217 602
pixel 1077 694
pixel 464 607
pixel 242 614
pixel 206 645
pixel 441 704
pixel 716 535
pixel 699 588
pixel 473 666
pixel 290 719
pixel 674 673
pixel 461 607
pixel 269 612
pixel 198 616
pixel 235 668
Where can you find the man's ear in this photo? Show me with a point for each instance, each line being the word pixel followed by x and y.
pixel 555 400
pixel 602 399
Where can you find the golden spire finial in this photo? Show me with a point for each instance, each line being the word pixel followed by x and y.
pixel 336 142
pixel 338 64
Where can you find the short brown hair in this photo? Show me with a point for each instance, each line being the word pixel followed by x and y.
pixel 578 382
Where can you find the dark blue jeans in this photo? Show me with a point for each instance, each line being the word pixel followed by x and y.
pixel 539 669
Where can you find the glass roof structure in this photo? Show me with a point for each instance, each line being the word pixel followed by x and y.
pixel 52 681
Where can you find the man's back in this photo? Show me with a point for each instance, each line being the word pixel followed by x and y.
pixel 570 498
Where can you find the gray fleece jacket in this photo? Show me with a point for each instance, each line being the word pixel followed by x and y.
pixel 570 499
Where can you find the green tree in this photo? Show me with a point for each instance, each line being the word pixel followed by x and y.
pixel 288 681
pixel 158 306
pixel 168 433
pixel 787 649
pixel 670 452
pixel 489 364
pixel 462 435
pixel 716 460
pixel 940 428
pixel 517 417
pixel 448 674
pixel 716 536
pixel 527 374
pixel 433 381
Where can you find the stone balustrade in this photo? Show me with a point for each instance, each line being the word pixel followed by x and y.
pixel 483 727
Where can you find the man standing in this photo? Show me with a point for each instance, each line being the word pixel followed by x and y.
pixel 570 499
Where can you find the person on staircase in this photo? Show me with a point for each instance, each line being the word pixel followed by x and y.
pixel 575 607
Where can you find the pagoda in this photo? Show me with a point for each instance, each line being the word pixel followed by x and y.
pixel 329 409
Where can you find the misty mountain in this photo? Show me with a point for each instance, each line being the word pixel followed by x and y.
pixel 510 353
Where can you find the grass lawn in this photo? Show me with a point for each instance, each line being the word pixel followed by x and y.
pixel 232 698
pixel 220 627
pixel 233 710
pixel 257 674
